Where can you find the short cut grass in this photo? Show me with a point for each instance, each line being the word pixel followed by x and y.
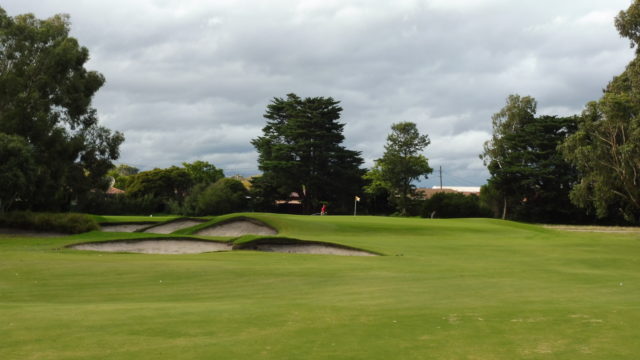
pixel 446 289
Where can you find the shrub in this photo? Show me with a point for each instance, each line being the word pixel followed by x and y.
pixel 454 205
pixel 120 204
pixel 223 197
pixel 71 223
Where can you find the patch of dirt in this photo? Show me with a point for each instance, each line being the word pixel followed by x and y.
pixel 122 227
pixel 10 233
pixel 170 227
pixel 156 246
pixel 316 249
pixel 237 228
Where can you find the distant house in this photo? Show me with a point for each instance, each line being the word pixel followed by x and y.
pixel 294 199
pixel 427 193
pixel 114 191
pixel 292 205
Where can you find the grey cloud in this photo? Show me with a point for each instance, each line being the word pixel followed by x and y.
pixel 190 80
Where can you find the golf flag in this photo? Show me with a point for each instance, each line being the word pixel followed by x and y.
pixel 357 198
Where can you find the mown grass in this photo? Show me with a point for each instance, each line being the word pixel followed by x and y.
pixel 447 289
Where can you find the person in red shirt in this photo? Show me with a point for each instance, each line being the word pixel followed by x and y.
pixel 323 211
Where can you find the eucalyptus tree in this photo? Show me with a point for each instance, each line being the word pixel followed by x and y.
pixel 606 147
pixel 401 164
pixel 45 98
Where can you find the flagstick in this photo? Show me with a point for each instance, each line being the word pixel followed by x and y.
pixel 355 206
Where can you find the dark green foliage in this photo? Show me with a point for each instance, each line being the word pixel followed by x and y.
pixel 264 192
pixel 300 151
pixel 98 202
pixel 628 24
pixel 491 199
pixel 606 147
pixel 45 97
pixel 164 184
pixel 66 223
pixel 172 190
pixel 223 197
pixel 527 171
pixel 453 205
pixel 376 203
pixel 17 170
pixel 203 172
pixel 401 164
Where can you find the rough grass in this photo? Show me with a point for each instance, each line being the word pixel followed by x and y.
pixel 448 289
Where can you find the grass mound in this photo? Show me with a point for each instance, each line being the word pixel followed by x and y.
pixel 69 223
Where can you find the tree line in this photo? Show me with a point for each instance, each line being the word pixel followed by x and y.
pixel 55 155
pixel 546 168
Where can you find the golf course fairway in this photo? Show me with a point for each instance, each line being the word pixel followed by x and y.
pixel 442 289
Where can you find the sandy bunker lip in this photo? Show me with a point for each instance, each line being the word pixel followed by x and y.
pixel 169 227
pixel 120 227
pixel 314 249
pixel 238 227
pixel 194 246
pixel 155 246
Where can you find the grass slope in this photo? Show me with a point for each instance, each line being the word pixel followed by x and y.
pixel 447 289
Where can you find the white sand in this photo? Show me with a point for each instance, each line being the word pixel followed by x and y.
pixel 237 228
pixel 156 246
pixel 172 226
pixel 317 249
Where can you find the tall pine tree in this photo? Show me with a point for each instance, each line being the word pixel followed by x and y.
pixel 301 151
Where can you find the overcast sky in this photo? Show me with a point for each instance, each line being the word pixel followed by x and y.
pixel 190 80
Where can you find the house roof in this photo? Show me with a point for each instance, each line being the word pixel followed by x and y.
pixel 112 190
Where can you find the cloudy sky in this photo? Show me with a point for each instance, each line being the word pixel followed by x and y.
pixel 189 80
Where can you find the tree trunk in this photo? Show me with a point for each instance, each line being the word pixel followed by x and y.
pixel 504 209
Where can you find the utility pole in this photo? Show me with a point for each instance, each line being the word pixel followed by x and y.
pixel 440 177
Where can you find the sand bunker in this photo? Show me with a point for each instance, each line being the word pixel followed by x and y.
pixel 194 246
pixel 155 246
pixel 238 227
pixel 317 249
pixel 123 227
pixel 170 227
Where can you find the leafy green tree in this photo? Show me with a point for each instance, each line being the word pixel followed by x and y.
pixel 499 155
pixel 400 165
pixel 606 147
pixel 527 170
pixel 223 197
pixel 203 172
pixel 171 184
pixel 454 205
pixel 301 151
pixel 17 170
pixel 45 97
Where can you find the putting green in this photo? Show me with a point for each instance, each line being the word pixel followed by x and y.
pixel 446 289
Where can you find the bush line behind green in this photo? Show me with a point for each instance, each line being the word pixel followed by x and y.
pixel 71 223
